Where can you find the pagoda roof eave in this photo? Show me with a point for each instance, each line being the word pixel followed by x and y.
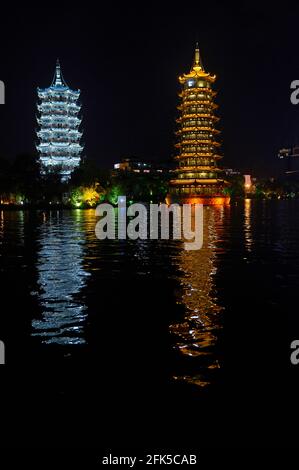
pixel 58 88
pixel 187 181
pixel 197 74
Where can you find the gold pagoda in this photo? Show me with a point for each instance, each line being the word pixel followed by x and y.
pixel 198 176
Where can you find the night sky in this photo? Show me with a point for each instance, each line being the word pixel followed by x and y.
pixel 126 63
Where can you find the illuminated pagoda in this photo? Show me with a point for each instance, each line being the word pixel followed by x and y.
pixel 198 176
pixel 59 136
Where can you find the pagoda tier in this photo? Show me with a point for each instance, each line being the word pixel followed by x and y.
pixel 59 121
pixel 198 176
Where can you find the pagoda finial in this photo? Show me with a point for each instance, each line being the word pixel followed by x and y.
pixel 58 78
pixel 197 59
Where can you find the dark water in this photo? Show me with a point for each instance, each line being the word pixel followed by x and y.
pixel 148 342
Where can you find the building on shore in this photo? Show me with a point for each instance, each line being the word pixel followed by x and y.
pixel 58 135
pixel 198 176
pixel 137 165
pixel 289 158
pixel 231 172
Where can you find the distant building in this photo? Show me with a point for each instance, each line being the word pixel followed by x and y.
pixel 231 172
pixel 135 165
pixel 59 136
pixel 290 160
pixel 247 182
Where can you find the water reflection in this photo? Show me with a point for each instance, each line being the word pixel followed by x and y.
pixel 146 285
pixel 198 331
pixel 1 226
pixel 61 277
pixel 248 224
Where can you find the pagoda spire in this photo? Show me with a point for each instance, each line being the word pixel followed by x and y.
pixel 58 78
pixel 197 59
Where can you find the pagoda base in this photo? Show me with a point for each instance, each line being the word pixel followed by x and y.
pixel 200 199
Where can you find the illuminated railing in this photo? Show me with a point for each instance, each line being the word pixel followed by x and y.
pixel 199 141
pixel 186 129
pixel 198 115
pixel 200 167
pixel 197 90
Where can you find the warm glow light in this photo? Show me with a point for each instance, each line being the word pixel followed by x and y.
pixel 89 195
pixel 247 183
pixel 207 201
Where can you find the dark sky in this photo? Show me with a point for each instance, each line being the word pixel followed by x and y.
pixel 126 63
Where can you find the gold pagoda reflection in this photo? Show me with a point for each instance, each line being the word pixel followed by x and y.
pixel 196 334
pixel 248 224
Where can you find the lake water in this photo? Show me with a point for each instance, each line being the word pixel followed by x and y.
pixel 136 334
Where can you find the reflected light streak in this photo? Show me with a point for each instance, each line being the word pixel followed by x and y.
pixel 196 335
pixel 60 278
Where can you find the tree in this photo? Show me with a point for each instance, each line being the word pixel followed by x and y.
pixel 25 177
